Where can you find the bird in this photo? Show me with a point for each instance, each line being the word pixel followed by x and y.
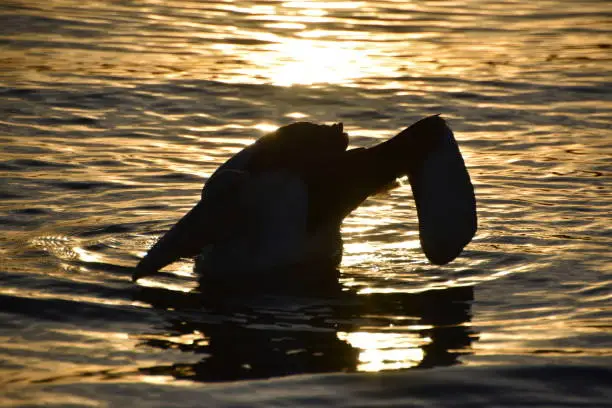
pixel 273 212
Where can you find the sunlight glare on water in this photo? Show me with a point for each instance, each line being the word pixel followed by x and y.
pixel 386 351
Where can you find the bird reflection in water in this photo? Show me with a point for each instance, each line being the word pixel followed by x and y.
pixel 241 342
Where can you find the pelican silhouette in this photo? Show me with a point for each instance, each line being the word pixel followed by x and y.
pixel 278 204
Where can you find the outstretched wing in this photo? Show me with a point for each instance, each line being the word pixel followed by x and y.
pixel 426 152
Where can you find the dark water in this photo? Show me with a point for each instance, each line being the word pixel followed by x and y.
pixel 113 114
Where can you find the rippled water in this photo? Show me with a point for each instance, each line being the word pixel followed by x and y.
pixel 112 114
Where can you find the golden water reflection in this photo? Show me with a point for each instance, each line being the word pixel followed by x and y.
pixel 282 44
pixel 300 54
pixel 373 44
pixel 386 351
pixel 308 62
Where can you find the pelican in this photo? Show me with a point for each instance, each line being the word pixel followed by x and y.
pixel 274 210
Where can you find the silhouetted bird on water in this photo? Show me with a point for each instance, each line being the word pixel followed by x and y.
pixel 271 215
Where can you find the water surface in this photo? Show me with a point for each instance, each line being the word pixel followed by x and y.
pixel 113 114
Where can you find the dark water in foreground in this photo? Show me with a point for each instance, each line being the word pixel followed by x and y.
pixel 112 114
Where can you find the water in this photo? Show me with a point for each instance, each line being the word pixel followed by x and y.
pixel 112 114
